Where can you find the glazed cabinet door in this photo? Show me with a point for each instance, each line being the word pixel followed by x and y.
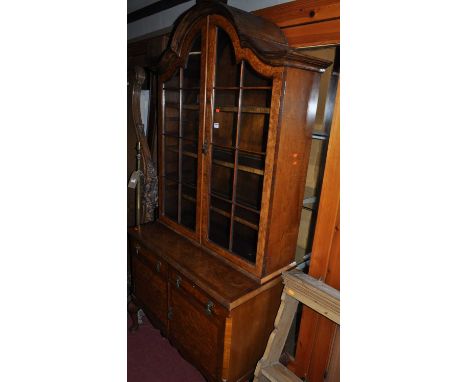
pixel 179 134
pixel 196 332
pixel 237 139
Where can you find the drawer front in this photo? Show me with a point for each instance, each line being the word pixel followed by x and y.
pixel 151 289
pixel 198 336
pixel 153 261
pixel 211 307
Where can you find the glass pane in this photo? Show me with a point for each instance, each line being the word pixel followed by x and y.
pixel 252 78
pixel 226 100
pixel 190 114
pixel 304 239
pixel 191 77
pixel 253 133
pixel 244 241
pixel 224 128
pixel 171 112
pixel 227 71
pixel 189 170
pixel 258 98
pixel 219 229
pixel 249 189
pixel 171 158
pixel 188 211
pixel 254 163
pixel 171 197
pixel 221 206
pixel 326 101
pixel 247 217
pixel 221 180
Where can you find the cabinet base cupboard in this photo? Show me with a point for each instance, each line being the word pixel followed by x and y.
pixel 218 318
pixel 236 107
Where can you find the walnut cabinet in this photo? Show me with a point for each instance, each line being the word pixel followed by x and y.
pixel 235 115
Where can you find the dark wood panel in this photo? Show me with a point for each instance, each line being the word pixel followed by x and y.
pixel 197 335
pixel 151 290
pixel 253 320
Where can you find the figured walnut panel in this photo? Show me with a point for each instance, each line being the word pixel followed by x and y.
pixel 197 335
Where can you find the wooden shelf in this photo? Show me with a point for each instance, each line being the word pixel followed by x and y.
pixel 237 204
pixel 175 149
pixel 225 158
pixel 244 109
pixel 242 87
pixel 236 218
pixel 184 106
pixel 188 197
pixel 226 148
pixel 252 170
pixel 175 89
pixel 179 137
pixel 174 180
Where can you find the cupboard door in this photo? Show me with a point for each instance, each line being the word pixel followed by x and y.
pixel 151 289
pixel 180 139
pixel 197 334
pixel 237 140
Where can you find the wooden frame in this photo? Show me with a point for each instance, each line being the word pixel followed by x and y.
pixel 315 294
pixel 316 333
pixel 246 54
pixel 170 71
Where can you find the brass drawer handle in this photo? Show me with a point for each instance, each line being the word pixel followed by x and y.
pixel 178 281
pixel 158 266
pixel 209 306
pixel 137 249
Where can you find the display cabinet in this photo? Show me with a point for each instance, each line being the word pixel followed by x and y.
pixel 235 120
pixel 235 117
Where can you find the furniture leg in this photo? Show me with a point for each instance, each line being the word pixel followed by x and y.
pixel 133 310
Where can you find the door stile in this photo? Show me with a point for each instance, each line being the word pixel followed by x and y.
pixel 208 119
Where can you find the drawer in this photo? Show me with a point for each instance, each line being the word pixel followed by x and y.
pixel 210 306
pixel 150 290
pixel 154 262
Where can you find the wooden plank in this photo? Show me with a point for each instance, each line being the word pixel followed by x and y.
pixel 279 373
pixel 329 201
pixel 333 370
pixel 306 23
pixel 300 12
pixel 313 293
pixel 278 337
pixel 323 33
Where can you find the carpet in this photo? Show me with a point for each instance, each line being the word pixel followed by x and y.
pixel 151 358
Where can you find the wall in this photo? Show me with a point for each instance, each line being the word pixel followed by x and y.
pixel 164 20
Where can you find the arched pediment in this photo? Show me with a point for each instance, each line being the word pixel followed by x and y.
pixel 263 37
